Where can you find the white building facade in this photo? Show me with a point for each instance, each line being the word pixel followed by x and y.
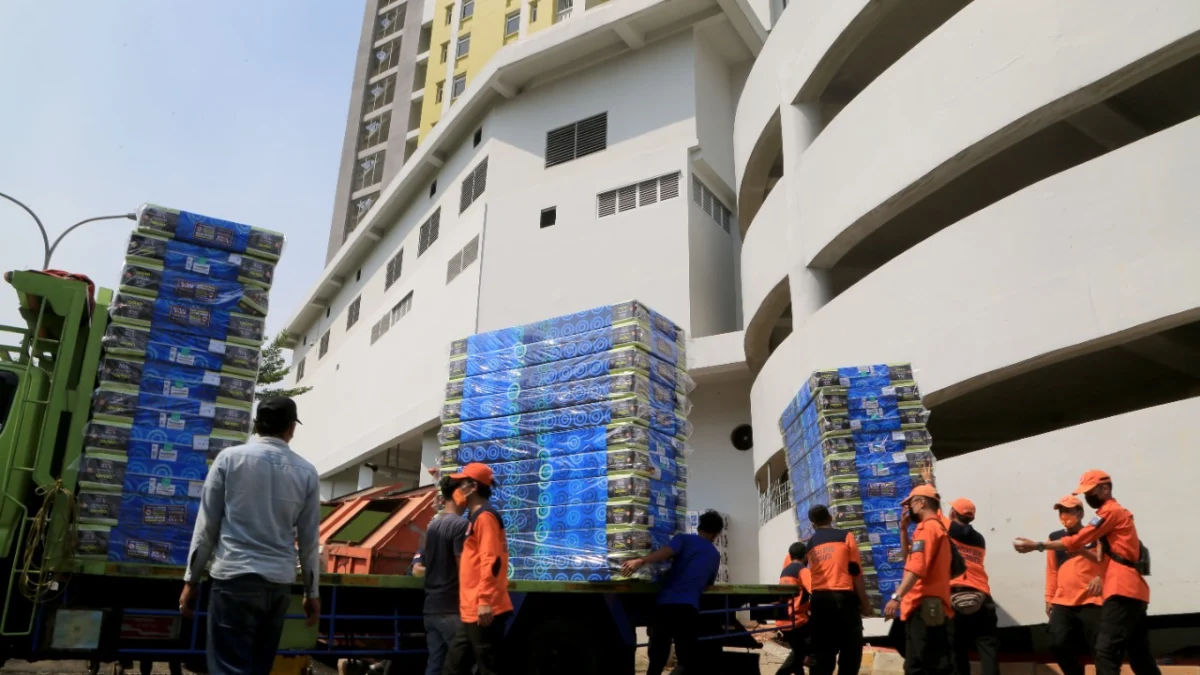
pixel 1000 192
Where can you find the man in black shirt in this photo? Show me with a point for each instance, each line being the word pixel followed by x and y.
pixel 439 565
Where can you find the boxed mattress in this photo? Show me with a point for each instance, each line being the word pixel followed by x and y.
pixel 209 232
pixel 155 345
pixel 203 261
pixel 594 390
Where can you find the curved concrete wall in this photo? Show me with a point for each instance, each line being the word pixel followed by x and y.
pixel 767 252
pixel 995 73
pixel 1086 258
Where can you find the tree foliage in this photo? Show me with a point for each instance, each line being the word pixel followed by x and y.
pixel 274 369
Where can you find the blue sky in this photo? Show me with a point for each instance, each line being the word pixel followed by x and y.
pixel 232 108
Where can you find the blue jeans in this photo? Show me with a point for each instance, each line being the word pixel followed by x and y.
pixel 245 622
pixel 439 631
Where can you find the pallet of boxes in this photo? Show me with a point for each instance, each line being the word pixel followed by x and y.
pixel 583 420
pixel 176 382
pixel 856 441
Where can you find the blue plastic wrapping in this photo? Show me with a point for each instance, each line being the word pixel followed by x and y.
pixel 563 419
pixel 151 411
pixel 612 362
pixel 146 451
pixel 151 546
pixel 563 326
pixel 582 344
pixel 629 514
pixel 590 439
pixel 209 232
pixel 200 260
pixel 98 507
pixel 100 471
pixel 582 465
pixel 102 436
pixel 230 296
pixel 589 490
pixel 181 316
pixel 156 345
pixel 870 377
pixel 151 511
pixel 567 394
pixel 162 486
pixel 583 555
pixel 176 381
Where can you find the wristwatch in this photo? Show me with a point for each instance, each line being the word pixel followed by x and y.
pixel 895 597
pixel 1041 547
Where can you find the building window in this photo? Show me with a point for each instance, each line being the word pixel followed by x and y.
pixel 380 327
pixel 478 137
pixel 433 188
pixel 512 23
pixel 429 232
pixel 374 131
pixel 445 51
pixel 632 196
pixel 437 91
pixel 533 12
pixel 463 259
pixel 549 217
pixel 468 9
pixel 458 86
pixel 403 307
pixel 300 370
pixel 577 139
pixel 722 215
pixel 564 10
pixel 386 57
pixel 473 186
pixel 370 171
pixel 357 210
pixel 449 14
pixel 394 266
pixel 464 46
pixel 323 348
pixel 379 94
pixel 352 313
pixel 389 22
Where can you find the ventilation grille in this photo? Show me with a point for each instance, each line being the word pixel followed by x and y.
pixel 429 232
pixel 394 267
pixel 630 197
pixel 712 205
pixel 473 185
pixel 352 314
pixel 577 139
pixel 323 348
pixel 460 261
pixel 300 369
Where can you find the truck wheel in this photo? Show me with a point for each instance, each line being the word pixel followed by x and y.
pixel 564 645
pixel 93 667
pixel 146 667
pixel 176 668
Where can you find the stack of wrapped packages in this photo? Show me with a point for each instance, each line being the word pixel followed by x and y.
pixel 176 382
pixel 582 419
pixel 856 441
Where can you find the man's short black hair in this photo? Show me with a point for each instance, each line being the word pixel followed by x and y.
pixel 275 416
pixel 447 486
pixel 797 551
pixel 819 515
pixel 482 490
pixel 711 522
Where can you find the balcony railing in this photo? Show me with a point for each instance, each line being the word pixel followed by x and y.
pixel 776 500
pixel 563 14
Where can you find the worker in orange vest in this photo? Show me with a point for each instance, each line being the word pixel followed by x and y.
pixel 796 629
pixel 1074 583
pixel 1123 628
pixel 971 596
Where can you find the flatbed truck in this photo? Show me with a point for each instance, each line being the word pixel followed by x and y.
pixel 58 607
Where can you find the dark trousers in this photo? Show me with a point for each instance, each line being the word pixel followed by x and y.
pixel 440 630
pixel 1073 632
pixel 798 640
pixel 245 622
pixel 898 637
pixel 679 624
pixel 479 645
pixel 1124 633
pixel 976 631
pixel 928 648
pixel 837 637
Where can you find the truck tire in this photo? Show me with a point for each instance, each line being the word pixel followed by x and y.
pixel 146 667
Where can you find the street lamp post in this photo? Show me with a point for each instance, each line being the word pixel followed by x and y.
pixel 48 247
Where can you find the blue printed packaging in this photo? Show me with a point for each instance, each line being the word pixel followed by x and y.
pixel 588 439
pixel 157 546
pixel 203 261
pixel 209 232
pixel 178 315
pixel 150 511
pixel 155 345
pixel 152 281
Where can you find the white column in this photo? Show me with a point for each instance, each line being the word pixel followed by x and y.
pixel 811 288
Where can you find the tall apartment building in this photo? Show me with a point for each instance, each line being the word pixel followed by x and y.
pixel 998 191
pixel 415 59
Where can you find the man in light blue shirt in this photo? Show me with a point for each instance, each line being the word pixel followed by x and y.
pixel 259 500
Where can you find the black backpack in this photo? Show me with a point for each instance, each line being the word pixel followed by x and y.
pixel 958 565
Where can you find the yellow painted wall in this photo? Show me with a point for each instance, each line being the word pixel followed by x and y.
pixel 486 27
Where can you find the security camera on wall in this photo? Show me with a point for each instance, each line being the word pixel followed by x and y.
pixel 742 437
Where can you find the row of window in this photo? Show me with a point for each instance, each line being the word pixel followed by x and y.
pixel 392 317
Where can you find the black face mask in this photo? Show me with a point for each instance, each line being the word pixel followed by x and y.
pixel 1093 501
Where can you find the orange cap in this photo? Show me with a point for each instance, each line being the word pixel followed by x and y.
pixel 922 491
pixel 1069 502
pixel 963 507
pixel 480 473
pixel 1090 480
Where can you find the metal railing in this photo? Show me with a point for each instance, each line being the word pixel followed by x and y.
pixel 776 500
pixel 563 14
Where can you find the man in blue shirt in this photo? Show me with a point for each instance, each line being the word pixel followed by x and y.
pixel 260 500
pixel 694 564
